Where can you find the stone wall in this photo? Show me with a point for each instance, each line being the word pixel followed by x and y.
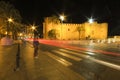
pixel 67 31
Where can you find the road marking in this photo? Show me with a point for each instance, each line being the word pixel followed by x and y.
pixel 59 59
pixel 111 65
pixel 75 53
pixel 67 55
pixel 108 64
pixel 90 53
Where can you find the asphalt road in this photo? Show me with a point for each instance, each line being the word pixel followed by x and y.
pixel 91 65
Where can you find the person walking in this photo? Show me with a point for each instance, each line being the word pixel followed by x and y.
pixel 36 46
pixel 17 58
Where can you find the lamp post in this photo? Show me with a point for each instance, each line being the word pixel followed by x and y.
pixel 62 18
pixel 91 20
pixel 20 35
pixel 10 20
pixel 33 31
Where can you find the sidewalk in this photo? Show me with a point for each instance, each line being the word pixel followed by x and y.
pixel 42 68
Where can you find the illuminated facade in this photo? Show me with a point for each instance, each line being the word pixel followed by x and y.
pixel 66 31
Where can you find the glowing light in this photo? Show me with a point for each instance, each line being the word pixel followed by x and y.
pixel 62 17
pixel 10 20
pixel 91 20
pixel 33 27
pixel 20 34
pixel 6 32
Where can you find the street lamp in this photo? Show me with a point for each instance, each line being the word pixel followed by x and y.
pixel 62 18
pixel 91 20
pixel 33 27
pixel 10 20
pixel 33 30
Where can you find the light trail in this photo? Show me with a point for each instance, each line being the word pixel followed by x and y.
pixel 65 45
pixel 108 64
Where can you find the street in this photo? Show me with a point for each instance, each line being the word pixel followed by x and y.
pixel 58 62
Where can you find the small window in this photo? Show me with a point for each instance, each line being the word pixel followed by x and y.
pixel 68 29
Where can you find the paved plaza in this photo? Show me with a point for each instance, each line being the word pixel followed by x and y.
pixel 42 68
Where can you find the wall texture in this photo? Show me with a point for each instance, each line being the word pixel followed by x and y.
pixel 67 31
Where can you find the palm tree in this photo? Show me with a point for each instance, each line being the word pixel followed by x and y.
pixel 80 30
pixel 16 28
pixel 7 10
pixel 52 34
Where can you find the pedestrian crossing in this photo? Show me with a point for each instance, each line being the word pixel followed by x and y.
pixel 67 55
pixel 78 56
pixel 59 59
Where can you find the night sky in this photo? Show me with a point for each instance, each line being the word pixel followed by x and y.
pixel 77 11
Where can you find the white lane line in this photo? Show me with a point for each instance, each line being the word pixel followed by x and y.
pixel 70 52
pixel 59 59
pixel 90 53
pixel 67 55
pixel 111 65
pixel 105 63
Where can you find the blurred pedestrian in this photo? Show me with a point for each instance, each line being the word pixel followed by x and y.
pixel 17 58
pixel 24 42
pixel 36 46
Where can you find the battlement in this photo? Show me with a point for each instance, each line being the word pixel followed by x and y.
pixel 76 31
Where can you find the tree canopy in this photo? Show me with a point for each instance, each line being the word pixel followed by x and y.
pixel 7 10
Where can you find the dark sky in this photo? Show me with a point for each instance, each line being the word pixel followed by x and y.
pixel 77 11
